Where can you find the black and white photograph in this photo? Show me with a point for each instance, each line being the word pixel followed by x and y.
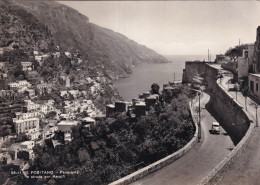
pixel 129 92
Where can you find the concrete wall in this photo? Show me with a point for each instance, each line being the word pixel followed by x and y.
pixel 233 119
pixel 217 172
pixel 242 67
pixel 192 69
pixel 225 109
pixel 221 106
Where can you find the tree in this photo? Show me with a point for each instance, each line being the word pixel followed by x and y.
pixel 155 88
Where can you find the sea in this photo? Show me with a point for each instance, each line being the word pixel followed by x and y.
pixel 144 75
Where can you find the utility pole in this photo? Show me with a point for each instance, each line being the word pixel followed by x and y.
pixel 256 116
pixel 174 77
pixel 208 55
pixel 199 132
pixel 246 103
pixel 199 116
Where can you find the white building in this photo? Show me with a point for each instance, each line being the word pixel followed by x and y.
pixel 13 85
pixel 31 106
pixel 27 145
pixel 27 66
pixel 19 84
pixel 24 83
pixel 50 101
pixel 33 134
pixel 38 58
pixel 74 93
pixel 27 115
pixel 36 53
pixel 66 126
pixel 63 93
pixel 68 54
pixel 45 108
pixel 23 126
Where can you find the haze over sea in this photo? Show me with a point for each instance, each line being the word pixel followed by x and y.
pixel 144 75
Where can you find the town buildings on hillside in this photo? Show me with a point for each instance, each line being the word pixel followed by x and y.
pixel 248 66
pixel 35 109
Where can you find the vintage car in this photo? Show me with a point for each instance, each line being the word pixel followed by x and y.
pixel 215 129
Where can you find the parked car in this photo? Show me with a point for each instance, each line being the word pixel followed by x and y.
pixel 215 129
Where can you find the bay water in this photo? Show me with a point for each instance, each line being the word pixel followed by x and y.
pixel 144 75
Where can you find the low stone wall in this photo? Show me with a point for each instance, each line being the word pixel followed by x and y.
pixel 161 163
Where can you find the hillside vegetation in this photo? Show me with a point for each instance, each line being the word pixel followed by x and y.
pixel 73 32
pixel 118 147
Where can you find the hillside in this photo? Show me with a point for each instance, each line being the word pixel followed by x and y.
pixel 49 27
pixel 22 34
pixel 72 31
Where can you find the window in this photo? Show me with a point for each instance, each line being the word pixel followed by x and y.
pixel 251 85
pixel 256 87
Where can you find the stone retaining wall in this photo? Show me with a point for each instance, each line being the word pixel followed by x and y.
pixel 215 174
pixel 161 163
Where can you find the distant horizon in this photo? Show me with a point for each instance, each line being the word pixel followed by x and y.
pixel 177 28
pixel 184 55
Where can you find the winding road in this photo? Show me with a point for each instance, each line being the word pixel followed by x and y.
pixel 246 168
pixel 199 161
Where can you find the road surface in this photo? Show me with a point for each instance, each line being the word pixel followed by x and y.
pixel 199 161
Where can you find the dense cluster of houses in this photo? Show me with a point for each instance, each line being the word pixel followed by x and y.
pixel 30 114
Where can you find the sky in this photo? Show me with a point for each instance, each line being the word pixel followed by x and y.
pixel 177 27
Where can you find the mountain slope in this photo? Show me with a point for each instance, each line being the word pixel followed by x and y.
pixel 73 31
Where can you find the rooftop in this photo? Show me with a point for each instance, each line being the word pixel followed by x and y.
pixel 88 119
pixel 66 122
pixel 254 74
pixel 30 119
pixel 216 66
pixel 27 142
pixel 111 105
pixel 152 97
pixel 140 104
pixel 169 88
